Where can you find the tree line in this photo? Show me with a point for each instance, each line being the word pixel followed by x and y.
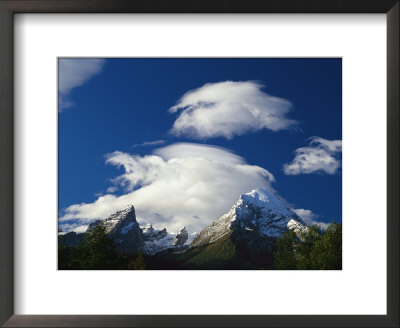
pixel 311 249
pixel 96 252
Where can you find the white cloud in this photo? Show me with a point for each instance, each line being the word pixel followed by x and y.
pixel 111 189
pixel 181 184
pixel 309 217
pixel 74 72
pixel 77 227
pixel 150 143
pixel 226 109
pixel 214 153
pixel 321 156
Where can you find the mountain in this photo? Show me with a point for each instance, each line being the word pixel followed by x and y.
pixel 130 238
pixel 181 237
pixel 123 228
pixel 156 241
pixel 244 237
pixel 260 211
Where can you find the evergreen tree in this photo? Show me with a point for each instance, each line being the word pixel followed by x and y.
pixel 63 254
pixel 138 263
pixel 327 252
pixel 313 249
pixel 284 257
pixel 304 246
pixel 96 252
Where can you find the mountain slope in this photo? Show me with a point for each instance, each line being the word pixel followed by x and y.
pixel 224 254
pixel 260 211
pixel 156 241
pixel 130 238
pixel 123 228
pixel 244 237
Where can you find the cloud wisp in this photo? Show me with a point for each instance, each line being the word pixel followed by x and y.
pixel 321 156
pixel 150 143
pixel 181 184
pixel 74 72
pixel 228 109
pixel 309 217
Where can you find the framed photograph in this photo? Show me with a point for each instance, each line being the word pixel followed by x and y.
pixel 195 192
pixel 194 163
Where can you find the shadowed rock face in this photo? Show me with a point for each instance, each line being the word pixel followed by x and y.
pixel 123 228
pixel 258 248
pixel 181 237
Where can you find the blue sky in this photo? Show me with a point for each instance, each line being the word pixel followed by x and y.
pixel 182 138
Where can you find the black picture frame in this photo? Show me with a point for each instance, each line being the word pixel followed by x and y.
pixel 10 7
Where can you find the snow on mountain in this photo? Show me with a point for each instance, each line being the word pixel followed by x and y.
pixel 129 237
pixel 156 240
pixel 297 227
pixel 260 210
pixel 191 237
pixel 120 219
pixel 123 228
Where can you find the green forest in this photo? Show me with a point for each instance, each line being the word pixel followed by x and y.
pixel 312 249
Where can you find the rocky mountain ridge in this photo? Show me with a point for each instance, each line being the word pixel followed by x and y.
pixel 260 211
pixel 130 238
pixel 254 222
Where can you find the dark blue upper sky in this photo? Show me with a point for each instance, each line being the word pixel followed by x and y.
pixel 127 103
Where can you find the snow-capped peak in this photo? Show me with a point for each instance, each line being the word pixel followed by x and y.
pixel 124 211
pixel 160 240
pixel 129 237
pixel 261 211
pixel 266 199
pixel 122 219
pixel 123 228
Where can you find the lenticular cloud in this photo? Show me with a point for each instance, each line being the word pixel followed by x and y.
pixel 181 184
pixel 226 109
